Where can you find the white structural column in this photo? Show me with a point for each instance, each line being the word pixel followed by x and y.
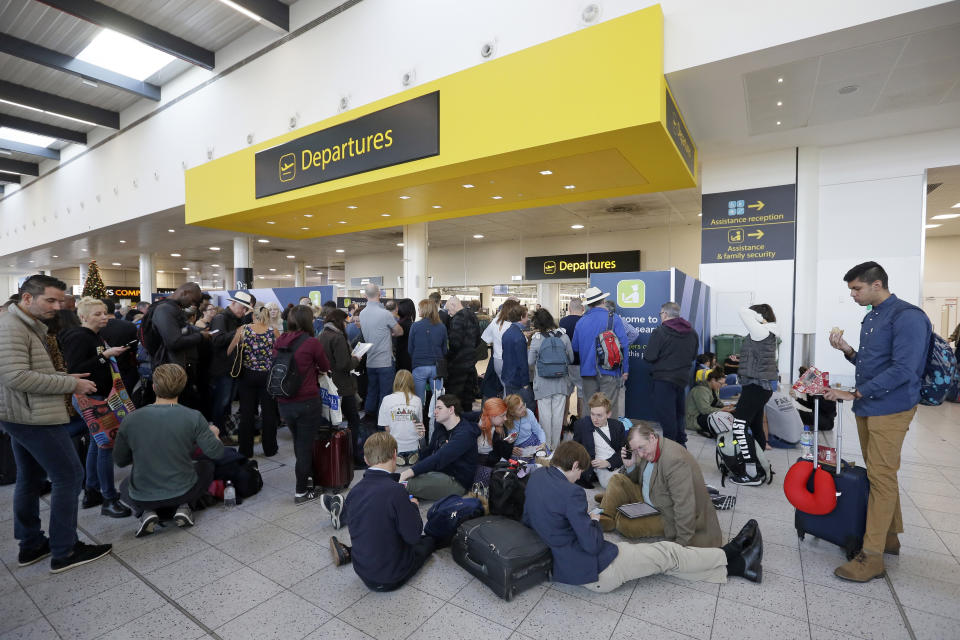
pixel 548 295
pixel 242 263
pixel 415 261
pixel 148 276
pixel 300 274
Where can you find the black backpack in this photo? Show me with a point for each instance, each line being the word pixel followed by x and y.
pixel 283 379
pixel 507 490
pixel 147 333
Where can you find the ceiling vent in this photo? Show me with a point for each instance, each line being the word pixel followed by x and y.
pixel 623 208
pixel 933 187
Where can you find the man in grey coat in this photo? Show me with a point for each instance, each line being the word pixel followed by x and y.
pixel 34 414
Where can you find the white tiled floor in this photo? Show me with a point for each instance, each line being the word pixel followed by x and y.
pixel 264 571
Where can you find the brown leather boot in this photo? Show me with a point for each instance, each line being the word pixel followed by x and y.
pixel 607 523
pixel 893 545
pixel 863 568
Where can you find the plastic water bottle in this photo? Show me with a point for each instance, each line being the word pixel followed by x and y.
pixel 806 443
pixel 229 496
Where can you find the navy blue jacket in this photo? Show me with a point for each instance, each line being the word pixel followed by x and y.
pixel 452 452
pixel 516 371
pixel 557 510
pixel 569 324
pixel 427 343
pixel 583 433
pixel 384 526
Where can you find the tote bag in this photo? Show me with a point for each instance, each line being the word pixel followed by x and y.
pixel 330 399
pixel 103 417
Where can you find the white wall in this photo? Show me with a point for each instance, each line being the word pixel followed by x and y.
pixel 941 281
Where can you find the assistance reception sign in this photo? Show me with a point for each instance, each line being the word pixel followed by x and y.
pixel 749 225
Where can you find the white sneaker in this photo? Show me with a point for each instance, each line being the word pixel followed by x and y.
pixel 332 504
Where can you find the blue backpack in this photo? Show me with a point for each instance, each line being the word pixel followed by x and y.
pixel 552 357
pixel 445 516
pixel 939 373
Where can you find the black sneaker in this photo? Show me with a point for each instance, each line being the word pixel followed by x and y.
pixel 91 498
pixel 28 557
pixel 148 522
pixel 184 516
pixel 306 496
pixel 82 554
pixel 332 504
pixel 339 551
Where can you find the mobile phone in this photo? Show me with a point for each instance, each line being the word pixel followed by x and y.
pixel 512 437
pixel 215 331
pixel 132 344
pixel 629 453
pixel 596 511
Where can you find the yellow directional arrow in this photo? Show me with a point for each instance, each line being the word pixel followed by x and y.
pixel 757 235
pixel 758 205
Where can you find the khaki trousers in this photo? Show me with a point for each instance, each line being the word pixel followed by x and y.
pixel 669 558
pixel 622 490
pixel 881 438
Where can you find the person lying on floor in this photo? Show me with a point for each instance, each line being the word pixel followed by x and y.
pixel 159 440
pixel 384 522
pixel 448 465
pixel 556 508
pixel 663 474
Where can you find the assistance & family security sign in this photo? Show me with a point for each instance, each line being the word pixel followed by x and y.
pixel 750 225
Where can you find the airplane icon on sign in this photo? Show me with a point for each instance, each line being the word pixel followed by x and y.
pixel 288 167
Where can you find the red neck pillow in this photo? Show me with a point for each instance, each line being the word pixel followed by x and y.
pixel 822 501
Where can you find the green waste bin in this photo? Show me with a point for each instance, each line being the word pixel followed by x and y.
pixel 725 344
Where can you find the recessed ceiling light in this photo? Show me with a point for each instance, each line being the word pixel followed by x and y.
pixel 318 273
pixel 932 226
pixel 185 268
pixel 956 206
pixel 304 228
pixel 779 80
pixel 15 135
pixel 286 275
pixel 478 236
pixel 404 197
pixel 306 266
pixel 343 222
pixel 778 123
pixel 291 257
pixel 576 226
pixel 174 255
pixel 82 249
pixel 263 241
pixel 946 216
pixel 699 215
pixel 214 248
pixel 308 215
pixel 351 206
pixel 272 269
pixel 159 270
pixel 125 55
pixel 215 266
pixel 546 172
pixel 271 222
pixel 779 103
pixel 399 244
pixel 261 277
pixel 437 206
pixel 468 186
pixel 216 275
pixel 569 186
pixel 123 242
pixel 384 215
pixel 31 261
pixel 339 250
pixel 116 264
pixel 172 230
pixel 497 197
pixel 54 256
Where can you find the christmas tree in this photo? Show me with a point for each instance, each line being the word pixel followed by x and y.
pixel 94 283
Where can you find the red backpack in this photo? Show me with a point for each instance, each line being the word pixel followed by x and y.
pixel 609 355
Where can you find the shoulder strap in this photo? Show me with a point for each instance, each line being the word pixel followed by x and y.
pixel 610 321
pixel 298 342
pixel 604 436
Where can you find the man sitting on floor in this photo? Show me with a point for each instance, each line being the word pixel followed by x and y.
pixel 663 474
pixel 450 462
pixel 384 522
pixel 557 510
pixel 603 436
pixel 158 441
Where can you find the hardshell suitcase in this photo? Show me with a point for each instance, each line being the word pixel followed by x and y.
pixel 504 554
pixel 333 459
pixel 846 524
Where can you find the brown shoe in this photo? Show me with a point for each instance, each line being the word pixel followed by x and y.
pixel 339 552
pixel 863 568
pixel 607 523
pixel 598 497
pixel 893 545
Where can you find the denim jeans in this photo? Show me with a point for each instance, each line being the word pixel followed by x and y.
pixel 221 397
pixel 45 451
pixel 303 418
pixel 100 471
pixel 379 386
pixel 421 376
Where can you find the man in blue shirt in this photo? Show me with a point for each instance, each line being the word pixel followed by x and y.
pixel 894 341
pixel 556 509
pixel 584 342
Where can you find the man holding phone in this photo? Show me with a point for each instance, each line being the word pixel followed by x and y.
pixel 662 474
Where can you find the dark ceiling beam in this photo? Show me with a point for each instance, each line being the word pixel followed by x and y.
pixel 272 11
pixel 19 166
pixel 29 149
pixel 148 34
pixel 61 62
pixel 42 129
pixel 12 178
pixel 58 105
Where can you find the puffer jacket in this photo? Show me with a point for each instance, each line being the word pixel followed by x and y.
pixel 31 389
pixel 341 361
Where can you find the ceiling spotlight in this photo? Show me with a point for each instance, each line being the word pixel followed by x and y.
pixel 83 250
pixel 215 266
pixel 956 206
pixel 123 242
pixel 437 206
pixel 306 266
pixel 497 197
pixel 343 222
pixel 116 264
pixel 399 244
pixel 779 103
pixel 261 277
pixel 263 241
pixel 779 80
pixel 291 257
pixel 932 226
pixel 384 215
pixel 339 250
pixel 272 269
pixel 318 273
pixel 308 215
pixel 778 123
pixel 54 256
pixel 946 216
pixel 271 222
pixel 159 270
pixel 174 255
pixel 286 275
pixel 185 268
pixel 404 197
pixel 214 248
pixel 546 172
pixel 172 230
pixel 468 186
pixel 699 215
pixel 304 228
pixel 569 186
pixel 478 236
pixel 216 275
pixel 351 206
pixel 576 226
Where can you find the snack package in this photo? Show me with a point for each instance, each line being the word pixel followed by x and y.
pixel 811 382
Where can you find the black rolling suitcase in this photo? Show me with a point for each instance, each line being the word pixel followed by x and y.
pixel 846 524
pixel 504 554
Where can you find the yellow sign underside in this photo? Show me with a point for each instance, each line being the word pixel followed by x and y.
pixel 589 107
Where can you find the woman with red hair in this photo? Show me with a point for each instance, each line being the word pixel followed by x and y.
pixel 493 444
